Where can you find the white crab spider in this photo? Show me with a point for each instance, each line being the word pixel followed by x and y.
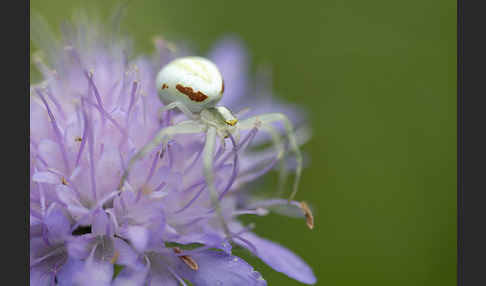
pixel 194 85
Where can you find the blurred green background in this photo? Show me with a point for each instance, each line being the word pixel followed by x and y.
pixel 378 79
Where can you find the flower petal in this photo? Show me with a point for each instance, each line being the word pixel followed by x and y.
pixel 208 239
pixel 45 177
pixel 67 195
pixel 280 259
pixel 131 277
pixel 126 255
pixel 138 236
pixel 40 277
pixel 102 225
pixel 58 224
pixel 80 247
pixel 160 274
pixel 218 268
pixel 68 272
pixel 94 272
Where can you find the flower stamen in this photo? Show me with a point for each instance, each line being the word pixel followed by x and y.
pixel 115 257
pixel 308 215
pixel 189 261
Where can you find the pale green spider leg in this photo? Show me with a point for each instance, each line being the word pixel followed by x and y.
pixel 280 147
pixel 209 175
pixel 267 119
pixel 181 107
pixel 164 135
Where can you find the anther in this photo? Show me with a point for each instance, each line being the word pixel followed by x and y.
pixel 115 257
pixel 189 261
pixel 146 190
pixel 308 215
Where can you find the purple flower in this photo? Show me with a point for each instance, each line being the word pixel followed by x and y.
pixel 92 112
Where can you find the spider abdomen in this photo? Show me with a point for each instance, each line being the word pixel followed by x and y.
pixel 194 81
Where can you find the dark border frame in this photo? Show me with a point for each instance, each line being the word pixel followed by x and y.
pixel 15 146
pixel 460 32
pixel 471 152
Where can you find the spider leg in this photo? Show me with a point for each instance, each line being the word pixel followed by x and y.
pixel 181 107
pixel 209 175
pixel 277 142
pixel 163 136
pixel 265 120
pixel 280 146
pixel 242 112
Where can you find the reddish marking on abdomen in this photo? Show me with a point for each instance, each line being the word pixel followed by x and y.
pixel 164 86
pixel 194 96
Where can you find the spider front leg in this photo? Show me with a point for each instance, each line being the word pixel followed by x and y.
pixel 266 120
pixel 163 136
pixel 209 175
pixel 181 107
pixel 280 146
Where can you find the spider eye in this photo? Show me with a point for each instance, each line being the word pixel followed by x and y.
pixel 194 81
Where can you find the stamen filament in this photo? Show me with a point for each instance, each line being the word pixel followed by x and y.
pixel 57 131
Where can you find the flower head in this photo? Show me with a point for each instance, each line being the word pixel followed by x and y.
pixel 92 112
